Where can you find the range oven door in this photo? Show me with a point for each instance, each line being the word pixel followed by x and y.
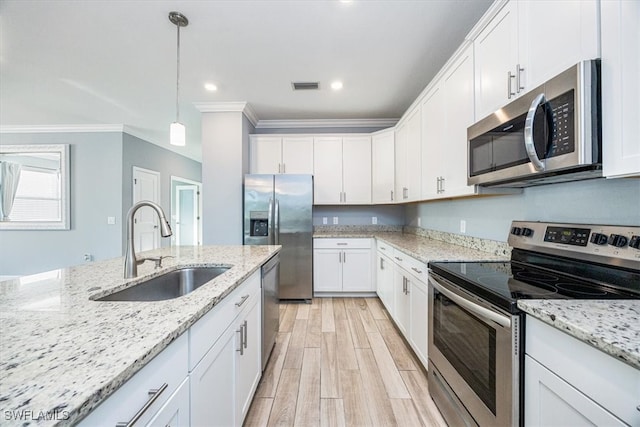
pixel 474 349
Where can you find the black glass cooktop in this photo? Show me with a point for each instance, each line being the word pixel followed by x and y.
pixel 503 283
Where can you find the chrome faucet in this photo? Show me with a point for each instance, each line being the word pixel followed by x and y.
pixel 130 260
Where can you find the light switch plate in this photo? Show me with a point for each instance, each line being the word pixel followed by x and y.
pixel 419 221
pixel 335 220
pixel 374 220
pixel 324 220
pixel 463 226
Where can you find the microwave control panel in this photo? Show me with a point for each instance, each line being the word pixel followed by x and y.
pixel 562 121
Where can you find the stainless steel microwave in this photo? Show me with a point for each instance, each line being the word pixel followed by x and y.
pixel 550 134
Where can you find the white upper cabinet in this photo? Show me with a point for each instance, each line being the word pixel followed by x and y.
pixel 408 158
pixel 342 170
pixel 528 42
pixel 356 170
pixel 555 35
pixel 447 111
pixel 620 88
pixel 281 154
pixel 496 54
pixel 383 166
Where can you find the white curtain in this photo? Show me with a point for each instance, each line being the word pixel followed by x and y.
pixel 9 179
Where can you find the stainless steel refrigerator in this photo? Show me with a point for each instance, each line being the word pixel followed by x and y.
pixel 278 211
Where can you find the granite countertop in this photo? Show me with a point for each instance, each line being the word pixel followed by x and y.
pixel 62 352
pixel 427 249
pixel 611 326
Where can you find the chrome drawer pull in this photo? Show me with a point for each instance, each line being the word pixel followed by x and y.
pixel 244 336
pixel 241 332
pixel 342 244
pixel 242 300
pixel 154 394
pixel 399 259
pixel 416 270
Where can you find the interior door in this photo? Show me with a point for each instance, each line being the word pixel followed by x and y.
pixel 146 186
pixel 186 215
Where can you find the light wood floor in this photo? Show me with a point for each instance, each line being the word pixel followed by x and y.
pixel 341 362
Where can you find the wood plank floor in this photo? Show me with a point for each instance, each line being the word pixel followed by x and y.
pixel 341 362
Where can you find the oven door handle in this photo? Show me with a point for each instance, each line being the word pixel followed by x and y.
pixel 528 132
pixel 483 312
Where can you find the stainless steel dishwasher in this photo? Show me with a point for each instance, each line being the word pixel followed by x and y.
pixel 270 306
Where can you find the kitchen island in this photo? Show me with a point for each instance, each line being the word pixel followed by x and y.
pixel 62 353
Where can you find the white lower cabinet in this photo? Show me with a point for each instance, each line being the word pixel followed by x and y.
pixel 384 281
pixel 402 301
pixel 418 305
pixel 564 389
pixel 343 265
pixel 206 377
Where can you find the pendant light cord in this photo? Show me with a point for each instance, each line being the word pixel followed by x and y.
pixel 178 79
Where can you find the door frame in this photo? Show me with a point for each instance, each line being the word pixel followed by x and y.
pixel 135 170
pixel 174 206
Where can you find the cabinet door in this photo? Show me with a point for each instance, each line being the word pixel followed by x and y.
pixel 327 167
pixel 414 159
pixel 549 400
pixel 401 175
pixel 327 270
pixel 554 35
pixel 620 88
pixel 265 154
pixel 433 142
pixel 297 155
pixel 384 282
pixel 175 412
pixel 458 106
pixel 213 383
pixel 382 167
pixel 357 270
pixel 401 296
pixel 419 330
pixel 496 54
pixel 248 364
pixel 356 170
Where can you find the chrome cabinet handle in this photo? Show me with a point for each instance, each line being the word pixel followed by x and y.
pixel 241 349
pixel 510 92
pixel 381 263
pixel 344 257
pixel 345 197
pixel 438 185
pixel 340 257
pixel 284 168
pixel 244 338
pixel 404 285
pixel 154 394
pixel 279 168
pixel 442 184
pixel 342 243
pixel 382 248
pixel 405 193
pixel 398 258
pixel 528 132
pixel 519 71
pixel 416 270
pixel 242 300
pixel 392 195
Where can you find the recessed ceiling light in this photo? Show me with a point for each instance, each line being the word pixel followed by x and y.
pixel 210 87
pixel 337 85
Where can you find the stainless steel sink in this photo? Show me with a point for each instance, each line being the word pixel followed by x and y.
pixel 170 285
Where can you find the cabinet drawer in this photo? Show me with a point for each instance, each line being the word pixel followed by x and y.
pixel 169 367
pixel 342 243
pixel 411 265
pixel 385 248
pixel 206 331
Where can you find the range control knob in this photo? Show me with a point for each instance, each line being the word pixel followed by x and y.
pixel 527 232
pixel 617 240
pixel 599 238
pixel 635 242
pixel 516 231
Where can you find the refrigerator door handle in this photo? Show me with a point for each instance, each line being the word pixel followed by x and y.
pixel 270 240
pixel 276 215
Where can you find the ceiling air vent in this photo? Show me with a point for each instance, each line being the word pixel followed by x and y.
pixel 305 85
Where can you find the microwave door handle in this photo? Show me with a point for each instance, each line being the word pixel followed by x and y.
pixel 485 313
pixel 528 132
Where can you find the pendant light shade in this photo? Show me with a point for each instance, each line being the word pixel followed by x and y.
pixel 177 131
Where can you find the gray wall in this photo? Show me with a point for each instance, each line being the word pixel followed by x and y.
pixel 96 182
pixel 600 201
pixel 360 215
pixel 139 153
pixel 225 146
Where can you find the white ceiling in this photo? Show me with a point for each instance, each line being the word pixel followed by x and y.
pixel 114 62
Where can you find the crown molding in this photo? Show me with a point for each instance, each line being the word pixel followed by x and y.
pixel 325 123
pixel 228 107
pixel 61 128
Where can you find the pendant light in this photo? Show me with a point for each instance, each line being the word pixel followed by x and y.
pixel 177 131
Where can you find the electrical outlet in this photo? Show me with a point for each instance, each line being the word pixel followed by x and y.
pixel 111 220
pixel 374 220
pixel 88 257
pixel 335 220
pixel 463 226
pixel 324 220
pixel 419 221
